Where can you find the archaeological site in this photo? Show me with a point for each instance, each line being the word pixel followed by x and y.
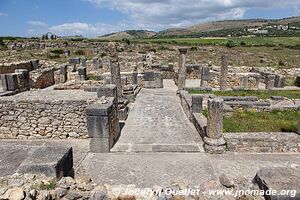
pixel 203 112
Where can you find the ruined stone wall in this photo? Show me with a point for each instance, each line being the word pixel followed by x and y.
pixel 11 67
pixel 43 119
pixel 263 142
pixel 42 78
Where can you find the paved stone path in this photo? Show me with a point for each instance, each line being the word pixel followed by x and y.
pixel 157 123
pixel 164 169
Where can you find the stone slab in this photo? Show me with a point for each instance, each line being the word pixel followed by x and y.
pixel 279 179
pixel 50 161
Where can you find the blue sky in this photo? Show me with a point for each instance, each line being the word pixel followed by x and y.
pixel 96 17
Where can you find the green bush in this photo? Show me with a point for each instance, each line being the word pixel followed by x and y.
pixel 230 43
pixel 80 52
pixel 243 43
pixel 57 51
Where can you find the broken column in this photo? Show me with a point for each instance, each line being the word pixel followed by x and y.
pixel 23 79
pixel 96 63
pixel 279 81
pixel 63 74
pixel 224 73
pixel 83 62
pixel 182 68
pixel 116 77
pixel 270 81
pixel 257 81
pixel 197 103
pixel 205 77
pixel 9 82
pixel 82 73
pixel 244 82
pixel 214 140
pixel 135 75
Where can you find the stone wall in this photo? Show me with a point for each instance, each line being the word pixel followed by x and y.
pixel 263 142
pixel 42 78
pixel 44 116
pixel 6 68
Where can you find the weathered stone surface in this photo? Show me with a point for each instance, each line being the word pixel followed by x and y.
pixel 215 118
pixel 109 90
pixel 270 81
pixel 263 142
pixel 224 73
pixel 197 101
pixel 279 179
pixel 182 68
pixel 57 163
pixel 226 181
pixel 74 60
pixel 149 76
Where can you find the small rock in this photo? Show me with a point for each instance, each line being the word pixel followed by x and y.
pixel 3 190
pixel 15 194
pixel 61 192
pixel 73 196
pixel 99 194
pixel 126 197
pixel 225 181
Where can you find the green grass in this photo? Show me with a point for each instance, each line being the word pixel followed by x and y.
pixel 46 186
pixel 262 94
pixel 239 41
pixel 253 121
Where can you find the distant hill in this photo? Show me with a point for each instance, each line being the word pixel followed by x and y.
pixel 272 27
pixel 129 34
pixel 227 27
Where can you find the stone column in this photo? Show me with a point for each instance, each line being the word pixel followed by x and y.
pixel 82 73
pixel 270 81
pixel 9 82
pixel 214 140
pixel 205 76
pixel 83 62
pixel 224 73
pixel 135 78
pixel 116 77
pixel 279 81
pixel 182 68
pixel 244 82
pixel 96 63
pixel 23 79
pixel 197 101
pixel 257 81
pixel 63 74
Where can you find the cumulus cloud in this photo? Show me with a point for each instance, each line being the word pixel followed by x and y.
pixel 166 13
pixel 91 30
pixel 37 23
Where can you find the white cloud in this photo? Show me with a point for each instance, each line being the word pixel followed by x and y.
pixel 3 14
pixel 37 23
pixel 166 13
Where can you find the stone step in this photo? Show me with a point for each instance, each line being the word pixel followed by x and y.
pixel 157 148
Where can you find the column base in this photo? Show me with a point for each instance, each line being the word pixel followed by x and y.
pixel 214 146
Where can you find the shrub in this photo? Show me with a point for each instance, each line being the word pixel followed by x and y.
pixel 281 63
pixel 57 51
pixel 127 41
pixel 46 186
pixel 243 43
pixel 80 52
pixel 230 43
pixel 103 55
